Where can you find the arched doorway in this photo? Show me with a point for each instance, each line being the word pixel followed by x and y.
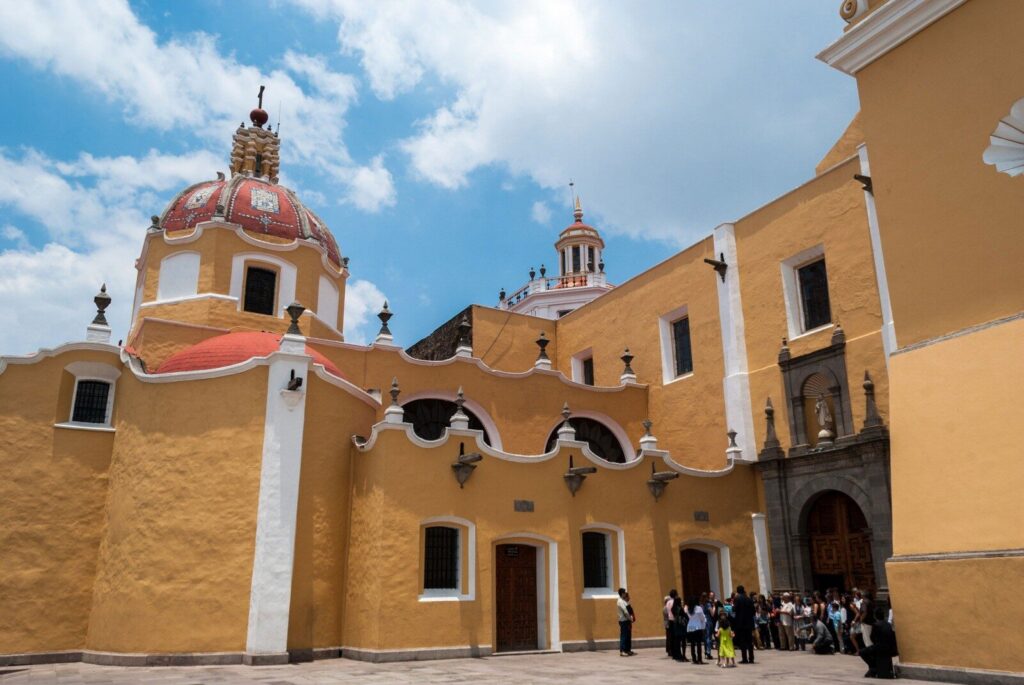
pixel 839 539
pixel 695 571
pixel 430 417
pixel 600 438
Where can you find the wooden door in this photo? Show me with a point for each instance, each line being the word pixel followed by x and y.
pixel 840 543
pixel 515 597
pixel 696 578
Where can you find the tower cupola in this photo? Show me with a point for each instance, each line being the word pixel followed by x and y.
pixel 579 246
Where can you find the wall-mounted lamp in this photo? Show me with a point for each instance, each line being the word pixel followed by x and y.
pixel 659 481
pixel 719 265
pixel 865 182
pixel 295 382
pixel 575 476
pixel 465 464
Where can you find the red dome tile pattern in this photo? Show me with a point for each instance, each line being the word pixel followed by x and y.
pixel 234 348
pixel 257 205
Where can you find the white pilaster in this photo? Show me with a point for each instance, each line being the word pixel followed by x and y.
pixel 738 412
pixel 888 327
pixel 270 598
pixel 764 569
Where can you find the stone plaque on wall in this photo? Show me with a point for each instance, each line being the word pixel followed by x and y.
pixel 523 505
pixel 701 516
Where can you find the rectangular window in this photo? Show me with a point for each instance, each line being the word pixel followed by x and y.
pixel 91 402
pixel 561 254
pixel 590 259
pixel 595 560
pixel 681 342
pixel 576 259
pixel 588 371
pixel 814 301
pixel 260 290
pixel 441 558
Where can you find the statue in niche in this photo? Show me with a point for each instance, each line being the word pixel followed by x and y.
pixel 824 420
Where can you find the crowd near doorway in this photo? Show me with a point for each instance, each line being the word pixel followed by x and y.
pixel 840 544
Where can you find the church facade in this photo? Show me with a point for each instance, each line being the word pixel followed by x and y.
pixel 237 483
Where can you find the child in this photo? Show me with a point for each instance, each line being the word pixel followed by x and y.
pixel 726 651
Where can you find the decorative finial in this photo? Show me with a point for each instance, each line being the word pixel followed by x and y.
pixel 102 301
pixel 838 334
pixel 501 295
pixel 543 271
pixel 772 448
pixel 294 311
pixel 459 419
pixel 460 399
pixel 627 358
pixel 154 223
pixel 784 351
pixel 394 392
pixel 384 315
pixel 871 418
pixel 600 265
pixel 566 413
pixel 345 261
pixel 533 274
pixel 647 423
pixel 464 328
pixel 542 342
pixel 258 116
pixel 732 439
pixel 578 211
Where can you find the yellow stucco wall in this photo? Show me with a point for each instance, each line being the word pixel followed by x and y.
pixel 828 211
pixel 955 460
pixel 397 485
pixel 507 341
pixel 176 558
pixel 950 224
pixel 689 413
pixel 321 536
pixel 918 591
pixel 52 498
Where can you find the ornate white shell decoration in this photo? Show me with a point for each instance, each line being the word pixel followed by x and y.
pixel 1007 142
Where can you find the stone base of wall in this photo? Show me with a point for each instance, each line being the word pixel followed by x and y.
pixel 426 654
pixel 595 645
pixel 969 676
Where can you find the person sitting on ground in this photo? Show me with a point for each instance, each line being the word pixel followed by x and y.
pixel 822 638
pixel 878 655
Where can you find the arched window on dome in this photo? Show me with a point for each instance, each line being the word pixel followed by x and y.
pixel 599 437
pixel 260 290
pixel 430 417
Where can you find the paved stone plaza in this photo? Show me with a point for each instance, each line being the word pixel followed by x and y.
pixel 648 666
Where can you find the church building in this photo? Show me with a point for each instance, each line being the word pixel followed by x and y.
pixel 778 405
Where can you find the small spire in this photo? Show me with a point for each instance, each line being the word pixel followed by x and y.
pixel 578 211
pixel 384 315
pixel 566 413
pixel 394 391
pixel 647 424
pixel 294 311
pixel 542 342
pixel 460 398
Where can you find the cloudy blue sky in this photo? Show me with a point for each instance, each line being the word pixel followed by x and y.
pixel 437 139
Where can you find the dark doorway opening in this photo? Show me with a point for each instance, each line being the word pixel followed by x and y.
pixel 515 598
pixel 840 544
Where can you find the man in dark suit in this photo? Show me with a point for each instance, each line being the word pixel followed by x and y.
pixel 743 624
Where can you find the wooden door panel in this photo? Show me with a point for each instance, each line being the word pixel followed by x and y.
pixel 696 577
pixel 515 591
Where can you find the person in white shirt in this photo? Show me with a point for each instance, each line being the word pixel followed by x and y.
pixel 625 617
pixel 786 635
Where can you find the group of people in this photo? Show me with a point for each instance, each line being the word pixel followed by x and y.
pixel 831 623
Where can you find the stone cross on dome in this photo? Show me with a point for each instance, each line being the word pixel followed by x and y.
pixel 256 151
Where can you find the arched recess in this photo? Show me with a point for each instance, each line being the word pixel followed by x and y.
pixel 605 436
pixel 719 565
pixel 178 277
pixel 439 413
pixel 818 385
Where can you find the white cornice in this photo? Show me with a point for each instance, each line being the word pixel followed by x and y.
pixel 888 26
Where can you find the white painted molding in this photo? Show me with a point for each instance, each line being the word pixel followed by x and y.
pixel 761 551
pixel 881 280
pixel 327 302
pixel 736 383
pixel 270 597
pixel 97 333
pixel 79 426
pixel 47 352
pixel 668 347
pixel 885 28
pixel 620 546
pixel 189 298
pixel 556 451
pixel 490 427
pixel 576 362
pixel 791 289
pixel 467 536
pixel 548 627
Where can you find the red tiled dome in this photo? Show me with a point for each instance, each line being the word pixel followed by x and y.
pixel 233 348
pixel 258 205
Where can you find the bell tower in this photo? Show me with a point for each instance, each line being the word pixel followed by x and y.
pixel 256 151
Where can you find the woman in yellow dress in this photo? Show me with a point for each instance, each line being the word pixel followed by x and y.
pixel 726 651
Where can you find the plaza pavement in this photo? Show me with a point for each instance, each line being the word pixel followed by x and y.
pixel 648 666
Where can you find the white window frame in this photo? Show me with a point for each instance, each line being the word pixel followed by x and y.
pixel 466 578
pixel 328 294
pixel 616 571
pixel 791 291
pixel 178 278
pixel 668 344
pixel 577 363
pixel 92 371
pixel 286 275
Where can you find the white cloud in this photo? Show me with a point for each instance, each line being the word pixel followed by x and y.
pixel 672 116
pixel 362 302
pixel 93 212
pixel 371 187
pixel 540 213
pixel 186 82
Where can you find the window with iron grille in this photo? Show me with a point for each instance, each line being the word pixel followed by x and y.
pixel 588 371
pixel 441 559
pixel 260 290
pixel 814 301
pixel 91 402
pixel 595 560
pixel 681 340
